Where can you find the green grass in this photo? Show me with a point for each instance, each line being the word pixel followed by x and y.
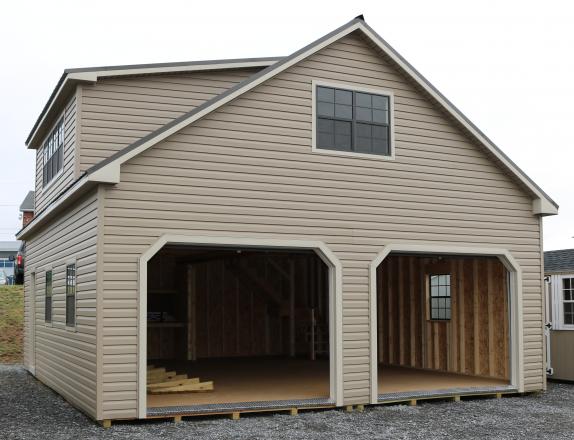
pixel 11 323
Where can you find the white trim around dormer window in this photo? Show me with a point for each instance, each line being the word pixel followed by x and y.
pixel 354 88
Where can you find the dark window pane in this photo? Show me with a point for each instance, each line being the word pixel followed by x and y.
pixel 569 319
pixel 343 97
pixel 325 109
pixel 71 310
pixel 325 94
pixel 343 111
pixel 380 116
pixel 343 142
pixel 325 140
pixel 364 130
pixel 380 102
pixel 364 144
pixel 567 295
pixel 380 132
pixel 343 127
pixel 568 307
pixel 363 114
pixel 363 100
pixel 48 309
pixel 325 125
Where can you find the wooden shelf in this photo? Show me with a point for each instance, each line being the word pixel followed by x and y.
pixel 165 324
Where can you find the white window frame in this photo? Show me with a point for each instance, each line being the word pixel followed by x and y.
pixel 556 283
pixel 354 88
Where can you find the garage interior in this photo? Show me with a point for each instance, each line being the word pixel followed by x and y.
pixel 443 323
pixel 236 325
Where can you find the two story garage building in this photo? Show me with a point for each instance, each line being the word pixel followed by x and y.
pixel 323 229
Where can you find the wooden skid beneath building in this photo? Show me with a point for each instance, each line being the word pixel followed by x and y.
pixel 294 410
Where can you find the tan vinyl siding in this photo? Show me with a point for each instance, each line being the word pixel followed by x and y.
pixel 65 358
pixel 118 111
pixel 247 170
pixel 44 196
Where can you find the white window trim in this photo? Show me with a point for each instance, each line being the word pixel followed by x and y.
pixel 556 284
pixel 355 88
pixel 41 151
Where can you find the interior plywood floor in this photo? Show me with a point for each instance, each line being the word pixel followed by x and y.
pixel 400 379
pixel 249 380
pixel 267 379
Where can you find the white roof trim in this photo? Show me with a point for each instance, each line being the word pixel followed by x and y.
pixel 91 75
pixel 542 204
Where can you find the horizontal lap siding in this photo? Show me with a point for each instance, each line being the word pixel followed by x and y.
pixel 247 170
pixel 116 112
pixel 65 360
pixel 44 196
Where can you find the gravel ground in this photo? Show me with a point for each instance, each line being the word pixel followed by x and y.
pixel 29 410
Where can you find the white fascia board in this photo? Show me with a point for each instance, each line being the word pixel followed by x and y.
pixel 549 207
pixel 182 68
pixel 543 207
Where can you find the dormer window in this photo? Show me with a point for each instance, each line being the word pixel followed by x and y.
pixel 354 121
pixel 53 153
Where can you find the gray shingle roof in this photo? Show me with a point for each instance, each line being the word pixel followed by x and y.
pixel 28 203
pixel 559 261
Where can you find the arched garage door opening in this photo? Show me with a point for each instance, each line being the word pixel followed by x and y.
pixel 443 325
pixel 238 326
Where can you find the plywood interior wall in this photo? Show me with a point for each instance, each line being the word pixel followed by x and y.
pixel 474 341
pixel 238 304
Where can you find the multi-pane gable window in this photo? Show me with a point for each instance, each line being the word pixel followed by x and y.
pixel 71 295
pixel 568 300
pixel 440 297
pixel 353 121
pixel 48 297
pixel 53 153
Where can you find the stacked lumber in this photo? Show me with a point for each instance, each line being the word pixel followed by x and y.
pixel 161 381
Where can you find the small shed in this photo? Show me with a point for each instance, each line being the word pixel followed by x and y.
pixel 559 277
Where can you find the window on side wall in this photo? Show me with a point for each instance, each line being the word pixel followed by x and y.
pixel 48 297
pixel 53 153
pixel 439 296
pixel 568 300
pixel 71 295
pixel 353 121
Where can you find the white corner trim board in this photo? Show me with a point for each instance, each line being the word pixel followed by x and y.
pixel 515 302
pixel 335 299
